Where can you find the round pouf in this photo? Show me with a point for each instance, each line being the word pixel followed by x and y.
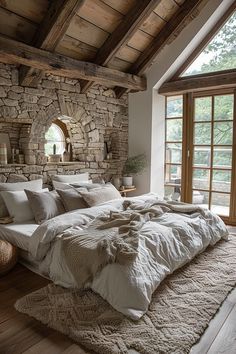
pixel 8 256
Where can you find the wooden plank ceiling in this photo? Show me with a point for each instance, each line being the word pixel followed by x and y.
pixel 111 33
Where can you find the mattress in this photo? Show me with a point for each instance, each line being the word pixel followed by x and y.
pixel 18 234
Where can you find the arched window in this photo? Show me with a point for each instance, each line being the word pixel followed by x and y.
pixel 55 135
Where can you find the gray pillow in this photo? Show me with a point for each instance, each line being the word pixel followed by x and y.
pixel 45 205
pixel 87 185
pixel 72 199
pixel 35 185
pixel 100 195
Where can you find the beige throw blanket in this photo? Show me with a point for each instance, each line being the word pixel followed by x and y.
pixel 111 239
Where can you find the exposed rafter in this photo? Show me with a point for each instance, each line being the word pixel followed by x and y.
pixel 13 52
pixel 132 21
pixel 176 23
pixel 199 82
pixel 51 31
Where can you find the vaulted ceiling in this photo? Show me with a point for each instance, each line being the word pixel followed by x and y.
pixel 121 35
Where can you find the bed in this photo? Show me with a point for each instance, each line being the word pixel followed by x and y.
pixel 121 248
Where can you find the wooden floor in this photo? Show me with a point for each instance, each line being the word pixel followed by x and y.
pixel 22 334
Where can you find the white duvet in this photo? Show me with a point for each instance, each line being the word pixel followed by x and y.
pixel 165 244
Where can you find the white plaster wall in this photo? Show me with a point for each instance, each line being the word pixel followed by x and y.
pixel 146 109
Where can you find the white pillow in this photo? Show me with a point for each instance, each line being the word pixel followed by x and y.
pixel 35 185
pixel 81 177
pixel 18 205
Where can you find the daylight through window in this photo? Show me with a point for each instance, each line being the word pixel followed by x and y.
pixel 55 136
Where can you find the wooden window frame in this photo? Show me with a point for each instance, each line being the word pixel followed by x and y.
pixel 188 149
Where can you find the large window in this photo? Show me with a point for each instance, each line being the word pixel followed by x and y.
pixel 55 136
pixel 219 54
pixel 173 146
pixel 200 149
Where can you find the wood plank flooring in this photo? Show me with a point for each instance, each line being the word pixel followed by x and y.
pixel 20 334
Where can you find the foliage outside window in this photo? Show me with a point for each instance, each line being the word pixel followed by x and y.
pixel 211 149
pixel 173 148
pixel 55 136
pixel 219 54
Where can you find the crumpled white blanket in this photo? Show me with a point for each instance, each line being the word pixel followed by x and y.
pixel 165 243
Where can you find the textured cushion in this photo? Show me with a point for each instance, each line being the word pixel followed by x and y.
pixel 61 185
pixel 45 205
pixel 88 185
pixel 72 199
pixel 19 186
pixel 81 177
pixel 18 205
pixel 100 195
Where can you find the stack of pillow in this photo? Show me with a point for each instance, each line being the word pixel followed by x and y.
pixel 25 201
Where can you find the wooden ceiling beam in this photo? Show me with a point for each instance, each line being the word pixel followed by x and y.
pixel 51 31
pixel 14 52
pixel 196 83
pixel 171 27
pixel 132 21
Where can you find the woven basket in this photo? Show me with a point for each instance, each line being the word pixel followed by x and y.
pixel 8 256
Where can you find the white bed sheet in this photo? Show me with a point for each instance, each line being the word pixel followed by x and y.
pixel 18 234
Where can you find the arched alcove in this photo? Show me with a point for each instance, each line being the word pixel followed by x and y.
pixel 86 142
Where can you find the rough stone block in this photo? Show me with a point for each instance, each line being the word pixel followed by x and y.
pixel 16 178
pixel 3 92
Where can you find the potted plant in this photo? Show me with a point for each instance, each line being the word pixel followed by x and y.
pixel 133 166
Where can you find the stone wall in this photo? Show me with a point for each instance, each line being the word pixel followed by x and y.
pixel 91 119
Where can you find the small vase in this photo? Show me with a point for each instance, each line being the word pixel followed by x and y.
pixel 127 181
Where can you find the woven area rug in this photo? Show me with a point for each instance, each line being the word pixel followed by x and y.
pixel 180 310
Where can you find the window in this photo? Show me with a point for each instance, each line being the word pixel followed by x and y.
pixel 55 135
pixel 200 149
pixel 173 148
pixel 219 54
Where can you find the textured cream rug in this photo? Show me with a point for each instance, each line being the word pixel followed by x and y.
pixel 180 310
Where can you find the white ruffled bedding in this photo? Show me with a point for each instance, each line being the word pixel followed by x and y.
pixel 165 244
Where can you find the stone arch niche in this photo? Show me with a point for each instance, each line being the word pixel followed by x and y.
pixel 86 141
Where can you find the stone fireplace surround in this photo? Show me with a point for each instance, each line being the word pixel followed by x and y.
pixel 91 119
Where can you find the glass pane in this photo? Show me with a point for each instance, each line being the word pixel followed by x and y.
pixel 174 106
pixel 201 179
pixel 172 193
pixel 219 54
pixel 200 198
pixel 223 108
pixel 221 180
pixel 202 108
pixel 222 157
pixel 223 133
pixel 202 156
pixel 174 130
pixel 220 203
pixel 173 153
pixel 48 147
pixel 202 134
pixel 173 174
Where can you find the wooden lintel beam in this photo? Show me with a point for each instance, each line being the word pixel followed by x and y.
pixel 199 82
pixel 51 31
pixel 14 52
pixel 171 27
pixel 121 35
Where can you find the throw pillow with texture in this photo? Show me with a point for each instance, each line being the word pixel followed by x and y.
pixel 45 206
pixel 18 205
pixel 100 195
pixel 72 199
pixel 35 185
